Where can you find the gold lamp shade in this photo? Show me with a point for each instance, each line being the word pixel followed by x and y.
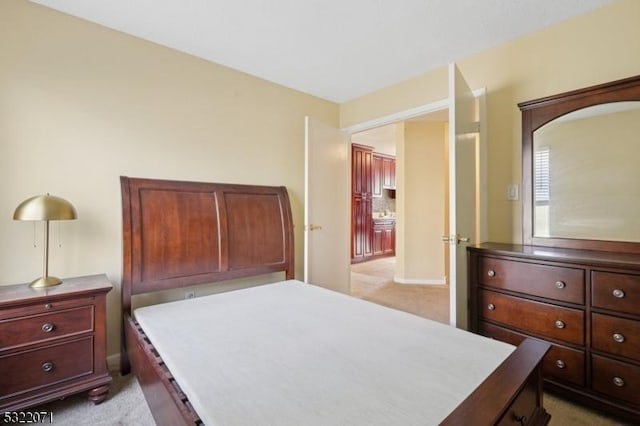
pixel 45 208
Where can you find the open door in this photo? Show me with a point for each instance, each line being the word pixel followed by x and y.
pixel 464 189
pixel 327 204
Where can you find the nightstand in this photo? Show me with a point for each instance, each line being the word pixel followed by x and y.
pixel 53 342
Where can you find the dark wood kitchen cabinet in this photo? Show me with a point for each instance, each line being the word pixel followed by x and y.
pixel 384 173
pixel 388 172
pixel 361 202
pixel 384 237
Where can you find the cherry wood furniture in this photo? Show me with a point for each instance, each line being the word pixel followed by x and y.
pixel 585 303
pixel 384 236
pixel 580 294
pixel 383 173
pixel 361 203
pixel 371 174
pixel 177 234
pixel 53 342
pixel 540 112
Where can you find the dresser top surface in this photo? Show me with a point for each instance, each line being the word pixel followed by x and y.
pixel 70 287
pixel 592 257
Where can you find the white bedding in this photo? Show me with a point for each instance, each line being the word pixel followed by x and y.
pixel 295 354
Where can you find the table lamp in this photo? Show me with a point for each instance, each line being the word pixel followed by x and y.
pixel 45 208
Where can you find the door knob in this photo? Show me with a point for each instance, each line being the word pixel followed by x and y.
pixel 455 239
pixel 313 227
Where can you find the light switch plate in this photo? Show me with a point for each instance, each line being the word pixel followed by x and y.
pixel 513 192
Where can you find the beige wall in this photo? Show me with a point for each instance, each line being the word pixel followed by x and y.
pixel 81 105
pixel 594 48
pixel 421 166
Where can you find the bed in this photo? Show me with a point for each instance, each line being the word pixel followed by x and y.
pixel 286 352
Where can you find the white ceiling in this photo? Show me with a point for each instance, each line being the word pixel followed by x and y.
pixel 334 49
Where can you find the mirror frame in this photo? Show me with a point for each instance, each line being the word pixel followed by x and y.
pixel 537 113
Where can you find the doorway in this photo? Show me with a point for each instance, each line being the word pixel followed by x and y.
pixel 414 279
pixel 467 191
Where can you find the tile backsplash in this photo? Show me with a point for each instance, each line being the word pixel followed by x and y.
pixel 380 204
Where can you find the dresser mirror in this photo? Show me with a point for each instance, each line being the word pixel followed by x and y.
pixel 581 177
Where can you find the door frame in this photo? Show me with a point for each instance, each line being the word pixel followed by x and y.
pixel 431 107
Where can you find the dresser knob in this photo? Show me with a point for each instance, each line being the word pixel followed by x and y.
pixel 618 337
pixel 560 364
pixel 618 293
pixel 491 307
pixel 618 382
pixel 491 273
pixel 47 367
pixel 560 285
pixel 48 306
pixel 560 324
pixel 47 328
pixel 522 420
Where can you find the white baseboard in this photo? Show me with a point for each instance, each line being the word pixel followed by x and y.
pixel 426 281
pixel 113 362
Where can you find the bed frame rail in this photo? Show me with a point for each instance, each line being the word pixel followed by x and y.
pixel 512 394
pixel 168 404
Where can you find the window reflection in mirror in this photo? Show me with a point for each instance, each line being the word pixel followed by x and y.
pixel 587 174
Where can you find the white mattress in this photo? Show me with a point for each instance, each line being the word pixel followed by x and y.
pixel 295 354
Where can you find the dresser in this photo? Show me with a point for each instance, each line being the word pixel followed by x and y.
pixel 585 303
pixel 53 342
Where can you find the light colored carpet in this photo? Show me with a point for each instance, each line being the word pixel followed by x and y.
pixel 124 406
pixel 373 281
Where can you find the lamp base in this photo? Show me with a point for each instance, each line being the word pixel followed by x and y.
pixel 45 282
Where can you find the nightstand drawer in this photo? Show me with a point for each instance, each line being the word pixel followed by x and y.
pixel 616 379
pixel 20 331
pixel 616 336
pixel 553 282
pixel 46 366
pixel 618 292
pixel 541 319
pixel 45 307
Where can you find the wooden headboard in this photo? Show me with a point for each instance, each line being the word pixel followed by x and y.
pixel 178 233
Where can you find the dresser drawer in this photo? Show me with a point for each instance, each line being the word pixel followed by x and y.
pixel 537 318
pixel 616 379
pixel 19 331
pixel 618 292
pixel 46 366
pixel 560 363
pixel 616 336
pixel 553 282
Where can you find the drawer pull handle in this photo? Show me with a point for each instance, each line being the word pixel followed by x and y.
pixel 560 285
pixel 561 364
pixel 48 306
pixel 560 324
pixel 491 307
pixel 47 367
pixel 522 420
pixel 491 273
pixel 618 382
pixel 47 328
pixel 618 337
pixel 618 293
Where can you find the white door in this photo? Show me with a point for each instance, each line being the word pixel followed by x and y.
pixel 464 190
pixel 327 206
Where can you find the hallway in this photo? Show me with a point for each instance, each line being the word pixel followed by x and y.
pixel 373 281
